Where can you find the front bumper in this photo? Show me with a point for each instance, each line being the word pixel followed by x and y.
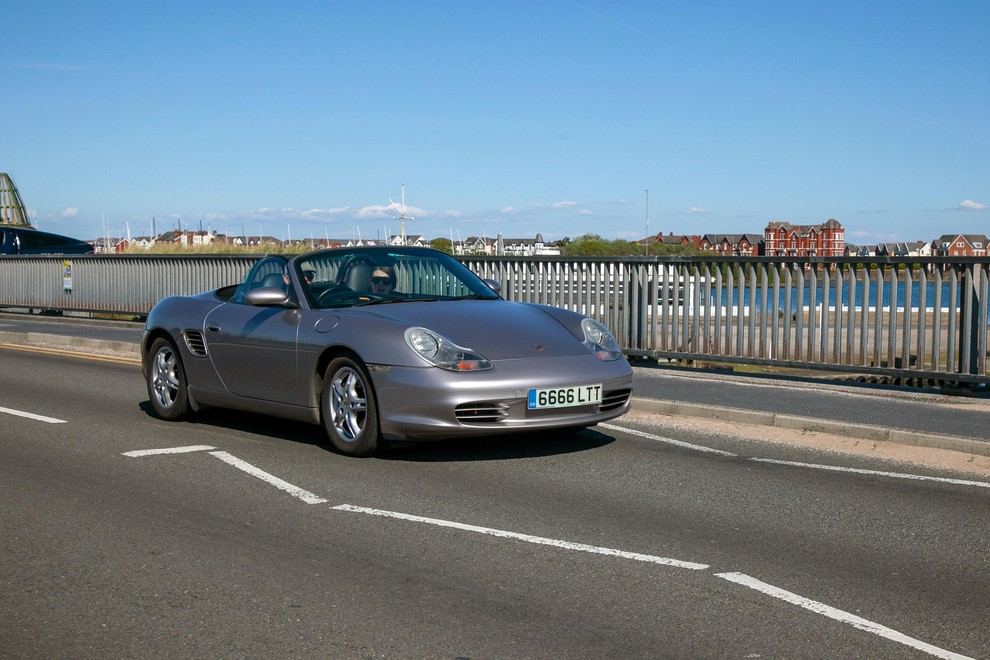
pixel 431 403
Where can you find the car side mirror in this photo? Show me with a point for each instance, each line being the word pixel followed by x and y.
pixel 494 285
pixel 268 297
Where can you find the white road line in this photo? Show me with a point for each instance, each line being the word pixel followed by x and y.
pixel 167 450
pixel 814 466
pixel 295 491
pixel 567 545
pixel 839 615
pixel 879 473
pixel 37 418
pixel 669 441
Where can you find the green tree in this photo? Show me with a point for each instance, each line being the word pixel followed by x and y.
pixel 593 245
pixel 442 244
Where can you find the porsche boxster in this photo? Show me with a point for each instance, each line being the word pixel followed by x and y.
pixel 382 344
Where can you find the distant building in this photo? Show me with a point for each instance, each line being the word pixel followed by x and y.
pixel 782 239
pixel 509 247
pixel 960 245
pixel 902 249
pixel 672 239
pixel 108 245
pixel 733 245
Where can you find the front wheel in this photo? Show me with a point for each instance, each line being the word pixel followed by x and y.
pixel 349 411
pixel 167 386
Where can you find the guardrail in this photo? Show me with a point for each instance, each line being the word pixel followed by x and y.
pixel 909 317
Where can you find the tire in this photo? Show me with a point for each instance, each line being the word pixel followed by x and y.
pixel 167 387
pixel 349 409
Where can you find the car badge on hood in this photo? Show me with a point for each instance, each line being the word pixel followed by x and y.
pixel 537 347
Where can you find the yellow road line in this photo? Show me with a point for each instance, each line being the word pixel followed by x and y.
pixel 76 354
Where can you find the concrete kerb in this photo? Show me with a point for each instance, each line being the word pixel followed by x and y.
pixel 64 342
pixel 796 422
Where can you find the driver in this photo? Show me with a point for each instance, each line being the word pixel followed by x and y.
pixel 382 279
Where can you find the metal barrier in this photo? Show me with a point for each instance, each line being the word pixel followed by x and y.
pixel 125 284
pixel 922 318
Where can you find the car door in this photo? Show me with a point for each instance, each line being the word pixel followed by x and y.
pixel 253 348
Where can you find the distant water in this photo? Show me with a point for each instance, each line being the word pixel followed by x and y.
pixel 818 294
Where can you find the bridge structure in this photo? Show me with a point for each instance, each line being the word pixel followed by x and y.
pixel 12 211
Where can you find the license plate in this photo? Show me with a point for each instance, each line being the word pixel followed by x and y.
pixel 564 397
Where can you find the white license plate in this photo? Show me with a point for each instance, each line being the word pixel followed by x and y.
pixel 564 397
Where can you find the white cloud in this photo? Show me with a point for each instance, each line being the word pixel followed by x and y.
pixel 509 210
pixel 450 214
pixel 695 209
pixel 585 212
pixel 375 211
pixel 563 205
pixel 970 205
pixel 70 213
pixel 324 213
pixel 391 211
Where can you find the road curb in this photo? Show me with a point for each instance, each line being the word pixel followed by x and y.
pixel 61 341
pixel 796 422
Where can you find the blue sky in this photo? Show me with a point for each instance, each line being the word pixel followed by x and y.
pixel 306 118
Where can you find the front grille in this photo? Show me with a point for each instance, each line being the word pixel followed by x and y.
pixel 481 412
pixel 614 399
pixel 195 343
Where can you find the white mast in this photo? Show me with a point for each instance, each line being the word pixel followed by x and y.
pixel 402 213
pixel 647 222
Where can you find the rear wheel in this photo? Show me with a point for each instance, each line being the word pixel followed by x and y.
pixel 167 386
pixel 349 410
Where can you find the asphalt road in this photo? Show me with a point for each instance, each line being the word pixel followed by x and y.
pixel 257 540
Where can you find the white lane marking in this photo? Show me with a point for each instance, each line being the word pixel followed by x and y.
pixel 669 441
pixel 37 418
pixel 167 450
pixel 567 545
pixel 814 466
pixel 879 473
pixel 839 615
pixel 295 491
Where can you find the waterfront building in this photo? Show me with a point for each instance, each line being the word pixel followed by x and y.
pixel 961 245
pixel 782 239
pixel 733 245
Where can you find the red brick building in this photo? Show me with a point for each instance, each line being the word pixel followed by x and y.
pixel 782 239
pixel 961 245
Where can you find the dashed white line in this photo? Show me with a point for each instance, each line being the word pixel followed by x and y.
pixel 567 545
pixel 839 615
pixel 295 491
pixel 813 466
pixel 167 450
pixel 737 578
pixel 37 418
pixel 669 441
pixel 879 473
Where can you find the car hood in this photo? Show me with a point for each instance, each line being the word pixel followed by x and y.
pixel 498 329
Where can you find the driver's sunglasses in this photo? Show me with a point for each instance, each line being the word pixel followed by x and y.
pixel 381 280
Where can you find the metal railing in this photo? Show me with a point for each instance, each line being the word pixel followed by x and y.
pixel 923 318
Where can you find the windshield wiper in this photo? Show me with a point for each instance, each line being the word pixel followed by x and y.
pixel 388 301
pixel 475 296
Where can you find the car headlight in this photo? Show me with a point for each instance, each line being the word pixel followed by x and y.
pixel 441 352
pixel 600 341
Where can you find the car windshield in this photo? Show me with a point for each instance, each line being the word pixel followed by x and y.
pixel 368 276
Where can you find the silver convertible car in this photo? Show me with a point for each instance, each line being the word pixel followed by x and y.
pixel 382 344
